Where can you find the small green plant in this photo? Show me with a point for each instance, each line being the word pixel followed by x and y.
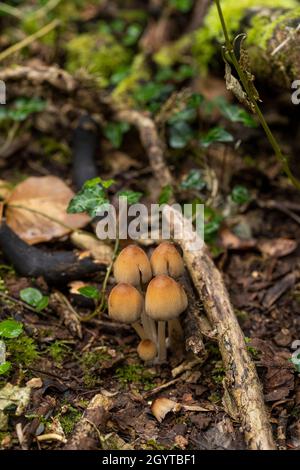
pixel 23 350
pixel 240 195
pixel 115 131
pixel 21 109
pixel 34 298
pixel 91 292
pixel 90 363
pixel 193 180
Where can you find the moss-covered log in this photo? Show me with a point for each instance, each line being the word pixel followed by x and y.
pixel 273 40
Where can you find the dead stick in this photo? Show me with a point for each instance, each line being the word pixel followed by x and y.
pixel 95 416
pixel 241 376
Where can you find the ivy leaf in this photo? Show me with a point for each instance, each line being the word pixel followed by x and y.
pixel 24 107
pixel 90 292
pixel 132 34
pixel 5 367
pixel 114 132
pixel 43 303
pixel 240 195
pixel 34 297
pixel 10 329
pixel 193 180
pixel 235 113
pixel 166 194
pixel 180 134
pixel 92 183
pixel 217 134
pixel 90 199
pixel 132 196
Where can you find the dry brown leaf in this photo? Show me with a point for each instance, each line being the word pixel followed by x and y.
pixel 44 201
pixel 277 247
pixel 120 162
pixel 99 250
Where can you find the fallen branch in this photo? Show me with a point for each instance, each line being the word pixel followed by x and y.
pixel 55 267
pixel 242 381
pixel 86 434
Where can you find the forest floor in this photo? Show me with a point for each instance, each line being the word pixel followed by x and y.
pixel 252 229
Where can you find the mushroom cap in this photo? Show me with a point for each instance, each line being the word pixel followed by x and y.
pixel 162 406
pixel 165 259
pixel 165 298
pixel 125 303
pixel 132 266
pixel 147 350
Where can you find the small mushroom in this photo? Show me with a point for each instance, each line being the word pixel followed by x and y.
pixel 165 301
pixel 147 350
pixel 125 305
pixel 162 406
pixel 165 259
pixel 132 266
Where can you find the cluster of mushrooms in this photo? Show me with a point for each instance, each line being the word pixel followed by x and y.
pixel 147 293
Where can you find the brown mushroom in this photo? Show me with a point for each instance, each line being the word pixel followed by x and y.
pixel 165 300
pixel 166 259
pixel 125 305
pixel 147 350
pixel 132 266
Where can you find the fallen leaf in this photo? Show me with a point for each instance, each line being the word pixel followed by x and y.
pixel 12 395
pixel 231 241
pixel 120 162
pixel 99 250
pixel 277 247
pixel 44 201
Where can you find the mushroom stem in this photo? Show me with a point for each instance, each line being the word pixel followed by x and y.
pixel 162 350
pixel 139 330
pixel 149 327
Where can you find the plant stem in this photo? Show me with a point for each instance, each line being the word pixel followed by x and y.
pixel 29 39
pixel 245 82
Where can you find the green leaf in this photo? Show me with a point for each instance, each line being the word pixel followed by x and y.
pixel 132 34
pixel 132 196
pixel 193 180
pixel 5 367
pixel 166 194
pixel 212 224
pixel 10 329
pixel 217 134
pixel 182 5
pixel 240 195
pixel 24 107
pixel 89 291
pixel 114 132
pixel 95 181
pixel 152 91
pixel 187 115
pixel 235 113
pixel 90 199
pixel 120 74
pixel 43 303
pixel 31 296
pixel 180 134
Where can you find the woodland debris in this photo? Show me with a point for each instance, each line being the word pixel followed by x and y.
pixel 241 375
pixel 70 318
pixel 13 395
pixel 87 431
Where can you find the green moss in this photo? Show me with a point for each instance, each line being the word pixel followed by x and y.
pixel 135 374
pixel 233 11
pixel 90 363
pixel 58 350
pixel 23 350
pixel 97 54
pixel 138 73
pixel 69 419
pixel 172 53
